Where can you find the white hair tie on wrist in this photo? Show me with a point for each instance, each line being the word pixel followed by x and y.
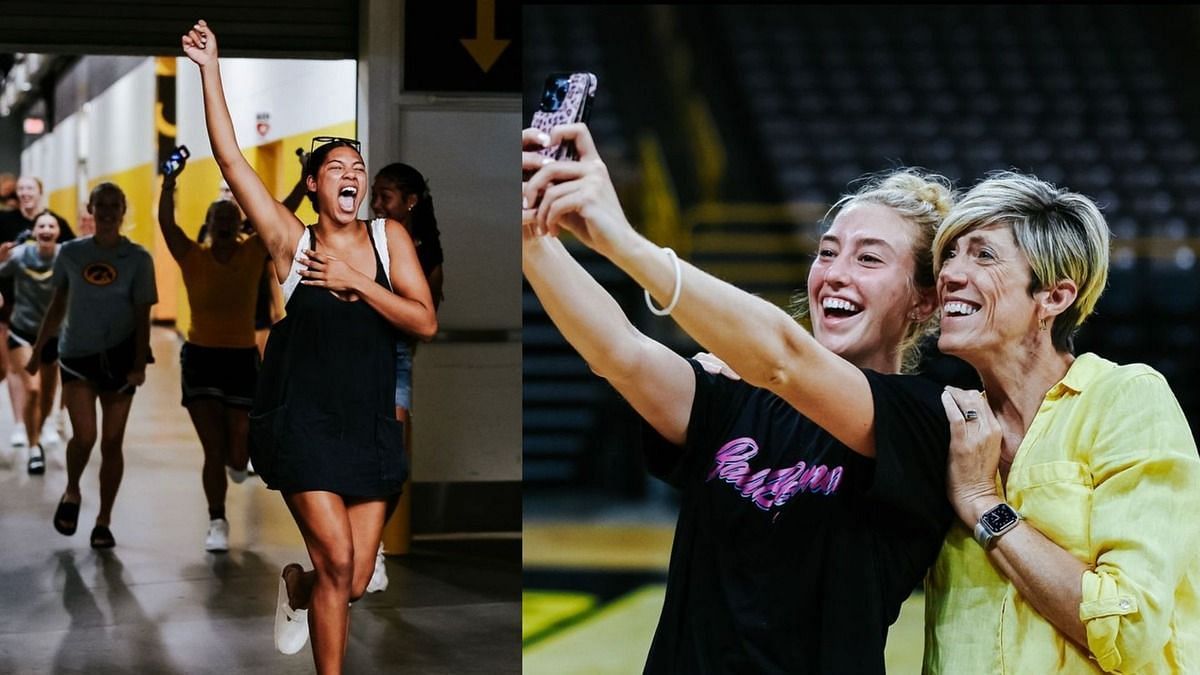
pixel 675 294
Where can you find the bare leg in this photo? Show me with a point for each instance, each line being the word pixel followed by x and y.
pixel 31 385
pixel 366 527
pixel 115 410
pixel 48 373
pixel 324 523
pixel 16 393
pixel 237 425
pixel 208 416
pixel 80 399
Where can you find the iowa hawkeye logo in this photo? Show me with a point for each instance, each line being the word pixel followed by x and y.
pixel 99 274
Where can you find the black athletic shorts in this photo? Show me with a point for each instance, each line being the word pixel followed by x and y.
pixel 19 338
pixel 228 374
pixel 108 370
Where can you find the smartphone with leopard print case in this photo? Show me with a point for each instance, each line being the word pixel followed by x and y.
pixel 566 98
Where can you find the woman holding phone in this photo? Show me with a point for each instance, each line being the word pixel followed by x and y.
pixel 812 493
pixel 323 428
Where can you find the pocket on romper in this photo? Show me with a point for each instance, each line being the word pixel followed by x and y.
pixel 389 442
pixel 266 434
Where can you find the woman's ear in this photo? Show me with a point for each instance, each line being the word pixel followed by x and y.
pixel 925 306
pixel 1056 299
pixel 310 183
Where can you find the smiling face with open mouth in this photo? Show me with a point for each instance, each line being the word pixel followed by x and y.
pixel 45 229
pixel 861 288
pixel 984 292
pixel 341 184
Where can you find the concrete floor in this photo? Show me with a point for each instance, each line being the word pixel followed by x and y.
pixel 158 603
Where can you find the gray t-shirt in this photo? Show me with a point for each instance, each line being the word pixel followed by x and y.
pixel 103 287
pixel 34 282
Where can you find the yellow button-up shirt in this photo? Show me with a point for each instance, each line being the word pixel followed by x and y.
pixel 1108 471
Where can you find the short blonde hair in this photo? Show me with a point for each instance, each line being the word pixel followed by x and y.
pixel 921 198
pixel 1062 234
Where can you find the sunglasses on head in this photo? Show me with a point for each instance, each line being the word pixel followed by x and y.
pixel 318 141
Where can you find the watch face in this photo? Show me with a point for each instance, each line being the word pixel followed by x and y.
pixel 999 517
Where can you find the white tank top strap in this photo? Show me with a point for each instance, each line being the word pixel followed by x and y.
pixel 379 235
pixel 293 277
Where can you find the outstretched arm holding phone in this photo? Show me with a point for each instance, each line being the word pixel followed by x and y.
pixel 757 339
pixel 656 381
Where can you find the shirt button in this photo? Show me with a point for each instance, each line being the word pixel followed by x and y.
pixel 1124 604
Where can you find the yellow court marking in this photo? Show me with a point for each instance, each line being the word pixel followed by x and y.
pixel 541 610
pixel 614 640
pixel 603 547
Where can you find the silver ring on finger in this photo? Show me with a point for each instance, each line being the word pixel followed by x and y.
pixel 971 415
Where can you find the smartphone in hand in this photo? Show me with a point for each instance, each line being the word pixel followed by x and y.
pixel 566 98
pixel 174 164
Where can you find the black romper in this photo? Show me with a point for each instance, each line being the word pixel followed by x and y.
pixel 324 415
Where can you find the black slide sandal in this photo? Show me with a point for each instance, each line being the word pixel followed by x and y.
pixel 37 460
pixel 102 537
pixel 66 517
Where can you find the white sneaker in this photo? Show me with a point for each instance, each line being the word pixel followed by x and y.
pixel 50 436
pixel 235 475
pixel 19 438
pixel 291 625
pixel 217 540
pixel 379 578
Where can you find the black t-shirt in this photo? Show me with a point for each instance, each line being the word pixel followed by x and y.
pixel 12 223
pixel 793 553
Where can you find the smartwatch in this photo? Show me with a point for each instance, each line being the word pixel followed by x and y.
pixel 995 522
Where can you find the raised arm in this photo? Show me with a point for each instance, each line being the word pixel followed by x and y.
pixel 278 227
pixel 178 243
pixel 294 198
pixel 657 382
pixel 757 339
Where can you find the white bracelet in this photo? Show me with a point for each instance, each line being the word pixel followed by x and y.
pixel 678 287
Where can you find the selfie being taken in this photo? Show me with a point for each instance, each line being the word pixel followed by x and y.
pixel 860 340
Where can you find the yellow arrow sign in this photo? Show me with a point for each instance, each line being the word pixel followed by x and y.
pixel 484 47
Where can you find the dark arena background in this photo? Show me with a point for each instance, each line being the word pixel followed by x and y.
pixel 731 130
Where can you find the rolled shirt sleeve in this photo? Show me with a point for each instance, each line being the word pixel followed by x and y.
pixel 1144 528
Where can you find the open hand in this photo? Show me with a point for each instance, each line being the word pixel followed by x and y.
pixel 200 44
